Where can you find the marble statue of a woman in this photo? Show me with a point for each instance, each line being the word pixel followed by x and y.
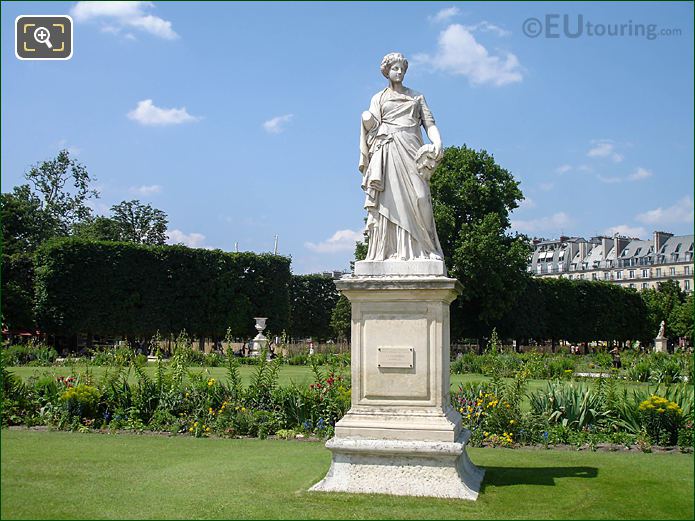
pixel 396 167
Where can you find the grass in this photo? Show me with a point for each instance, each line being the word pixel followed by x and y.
pixel 60 475
pixel 300 375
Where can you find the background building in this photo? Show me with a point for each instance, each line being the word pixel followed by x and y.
pixel 631 262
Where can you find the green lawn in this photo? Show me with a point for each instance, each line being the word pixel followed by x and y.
pixel 301 375
pixel 94 476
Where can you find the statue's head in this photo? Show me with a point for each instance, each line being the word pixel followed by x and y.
pixel 390 59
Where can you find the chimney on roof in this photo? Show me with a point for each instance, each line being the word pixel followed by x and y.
pixel 620 244
pixel 563 238
pixel 607 245
pixel 583 250
pixel 659 240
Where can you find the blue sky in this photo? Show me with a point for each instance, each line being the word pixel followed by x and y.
pixel 241 120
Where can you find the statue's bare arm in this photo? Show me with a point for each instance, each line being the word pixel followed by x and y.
pixel 368 120
pixel 435 138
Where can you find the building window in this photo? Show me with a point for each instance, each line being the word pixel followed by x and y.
pixel 658 272
pixel 632 285
pixel 571 277
pixel 645 285
pixel 594 276
pixel 631 274
pixel 686 270
pixel 581 276
pixel 606 275
pixel 672 272
pixel 686 286
pixel 619 275
pixel 645 274
pixel 560 267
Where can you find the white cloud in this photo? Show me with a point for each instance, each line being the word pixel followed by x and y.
pixel 609 179
pixel 563 169
pixel 546 187
pixel 527 202
pixel 487 27
pixel 639 174
pixel 605 148
pixel 460 54
pixel 585 168
pixel 624 229
pixel 146 113
pixel 192 240
pixel 124 14
pixel 146 189
pixel 556 221
pixel 444 14
pixel 277 124
pixel 681 212
pixel 342 240
pixel 73 150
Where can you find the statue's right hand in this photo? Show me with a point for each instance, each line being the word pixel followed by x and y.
pixel 368 120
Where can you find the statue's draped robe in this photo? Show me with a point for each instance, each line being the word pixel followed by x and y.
pixel 400 223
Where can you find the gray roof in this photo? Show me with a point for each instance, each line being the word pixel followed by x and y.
pixel 682 243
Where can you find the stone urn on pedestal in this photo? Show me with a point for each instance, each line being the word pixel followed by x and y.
pixel 260 342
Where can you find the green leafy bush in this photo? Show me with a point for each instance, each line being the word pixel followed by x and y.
pixel 661 419
pixel 81 401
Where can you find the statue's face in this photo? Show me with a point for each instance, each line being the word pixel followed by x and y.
pixel 397 72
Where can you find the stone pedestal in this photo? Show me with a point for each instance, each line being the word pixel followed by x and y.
pixel 260 342
pixel 401 436
pixel 661 345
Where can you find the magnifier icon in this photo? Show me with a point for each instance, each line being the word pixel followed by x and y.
pixel 43 35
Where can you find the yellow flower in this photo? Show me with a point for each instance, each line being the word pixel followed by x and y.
pixel 512 422
pixel 195 424
pixel 243 409
pixel 207 430
pixel 190 429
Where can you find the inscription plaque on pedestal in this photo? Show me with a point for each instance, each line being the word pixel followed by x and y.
pixel 394 357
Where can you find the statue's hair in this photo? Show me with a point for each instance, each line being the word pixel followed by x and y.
pixel 390 59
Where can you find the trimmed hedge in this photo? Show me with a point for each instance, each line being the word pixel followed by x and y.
pixel 576 310
pixel 312 300
pixel 108 288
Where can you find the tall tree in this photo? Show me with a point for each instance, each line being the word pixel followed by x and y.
pixel 63 186
pixel 661 304
pixel 98 229
pixel 472 198
pixel 140 223
pixel 25 225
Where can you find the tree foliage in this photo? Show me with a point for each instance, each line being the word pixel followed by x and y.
pixel 341 318
pixel 664 303
pixel 312 300
pixel 472 198
pixel 63 187
pixel 575 310
pixel 108 288
pixel 140 223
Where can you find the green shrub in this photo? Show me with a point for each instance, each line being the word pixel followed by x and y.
pixel 33 352
pixel 661 419
pixel 81 401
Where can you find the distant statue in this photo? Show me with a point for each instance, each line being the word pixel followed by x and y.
pixel 396 168
pixel 662 326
